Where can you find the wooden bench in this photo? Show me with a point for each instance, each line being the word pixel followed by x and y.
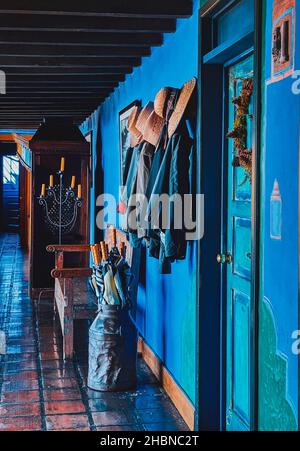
pixel 73 297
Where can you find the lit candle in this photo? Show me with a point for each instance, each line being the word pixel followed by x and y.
pixel 79 192
pixel 51 181
pixel 73 182
pixel 62 164
pixel 43 190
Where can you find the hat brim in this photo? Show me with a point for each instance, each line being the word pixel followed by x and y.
pixel 135 139
pixel 182 102
pixel 153 128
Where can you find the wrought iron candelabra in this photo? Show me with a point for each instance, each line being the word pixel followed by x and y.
pixel 60 205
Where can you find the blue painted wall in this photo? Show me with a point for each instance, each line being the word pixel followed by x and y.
pixel 279 299
pixel 166 313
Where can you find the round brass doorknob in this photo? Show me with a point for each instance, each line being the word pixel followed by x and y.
pixel 220 258
pixel 224 258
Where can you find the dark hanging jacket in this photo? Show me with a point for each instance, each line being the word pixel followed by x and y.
pixel 139 186
pixel 131 172
pixel 127 163
pixel 174 177
pixel 142 180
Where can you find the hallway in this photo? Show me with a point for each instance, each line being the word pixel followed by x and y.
pixel 39 392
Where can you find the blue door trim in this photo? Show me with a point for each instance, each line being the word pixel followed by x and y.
pixel 210 402
pixel 229 49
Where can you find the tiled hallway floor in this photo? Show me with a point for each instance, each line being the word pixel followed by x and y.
pixel 40 392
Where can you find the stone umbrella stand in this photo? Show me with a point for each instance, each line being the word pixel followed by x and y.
pixel 112 335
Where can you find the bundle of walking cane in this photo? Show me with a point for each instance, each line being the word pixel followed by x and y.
pixel 111 278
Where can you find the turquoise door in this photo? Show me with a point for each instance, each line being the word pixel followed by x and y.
pixel 236 257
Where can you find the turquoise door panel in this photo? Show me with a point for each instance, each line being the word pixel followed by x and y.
pixel 241 354
pixel 238 273
pixel 242 247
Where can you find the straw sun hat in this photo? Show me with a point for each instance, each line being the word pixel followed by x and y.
pixel 169 105
pixel 135 135
pixel 150 124
pixel 165 101
pixel 181 104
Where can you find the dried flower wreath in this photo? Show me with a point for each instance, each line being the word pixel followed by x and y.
pixel 243 155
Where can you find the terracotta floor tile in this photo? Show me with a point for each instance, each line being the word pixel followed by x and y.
pixel 66 382
pixel 20 397
pixel 113 418
pixel 82 429
pixel 61 407
pixel 20 366
pixel 12 410
pixel 20 385
pixel 108 403
pixel 25 357
pixel 19 349
pixel 20 424
pixel 50 355
pixel 62 394
pixel 46 348
pixel 71 421
pixel 128 427
pixel 167 426
pixel 22 341
pixel 52 364
pixel 20 376
pixel 59 373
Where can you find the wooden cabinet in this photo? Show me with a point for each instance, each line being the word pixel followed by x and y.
pixel 52 141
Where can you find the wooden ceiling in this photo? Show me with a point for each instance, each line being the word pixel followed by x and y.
pixel 63 58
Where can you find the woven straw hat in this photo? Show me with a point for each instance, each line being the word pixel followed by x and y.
pixel 135 135
pixel 153 128
pixel 165 101
pixel 143 116
pixel 182 102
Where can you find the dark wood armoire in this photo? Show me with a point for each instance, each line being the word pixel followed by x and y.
pixel 56 139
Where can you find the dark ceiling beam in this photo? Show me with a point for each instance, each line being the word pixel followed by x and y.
pixel 40 115
pixel 46 114
pixel 59 84
pixel 71 102
pixel 14 125
pixel 79 94
pixel 19 90
pixel 109 73
pixel 81 39
pixel 111 8
pixel 48 95
pixel 40 109
pixel 50 113
pixel 47 110
pixel 16 22
pixel 53 50
pixel 59 95
pixel 42 106
pixel 19 125
pixel 68 61
pixel 40 118
pixel 92 88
